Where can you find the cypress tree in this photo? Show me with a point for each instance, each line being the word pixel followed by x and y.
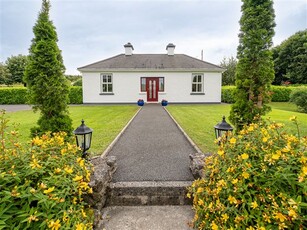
pixel 45 79
pixel 255 70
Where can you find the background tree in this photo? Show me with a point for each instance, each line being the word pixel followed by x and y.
pixel 230 65
pixel 45 79
pixel 5 75
pixel 255 70
pixel 16 66
pixel 290 59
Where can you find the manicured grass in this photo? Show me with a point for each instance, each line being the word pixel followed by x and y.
pixel 198 120
pixel 107 122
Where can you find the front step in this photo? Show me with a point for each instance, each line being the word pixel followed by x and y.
pixel 148 193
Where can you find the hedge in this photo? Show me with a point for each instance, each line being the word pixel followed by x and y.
pixel 12 95
pixel 279 93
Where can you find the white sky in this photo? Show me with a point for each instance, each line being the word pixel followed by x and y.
pixel 92 30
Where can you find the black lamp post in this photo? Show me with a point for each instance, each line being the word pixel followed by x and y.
pixel 221 128
pixel 83 137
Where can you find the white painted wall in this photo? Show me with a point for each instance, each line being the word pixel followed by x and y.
pixel 126 88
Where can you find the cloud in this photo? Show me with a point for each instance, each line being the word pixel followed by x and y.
pixel 92 30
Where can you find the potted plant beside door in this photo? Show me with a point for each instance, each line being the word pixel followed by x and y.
pixel 164 102
pixel 140 102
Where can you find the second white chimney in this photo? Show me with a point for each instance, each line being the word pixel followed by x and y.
pixel 170 49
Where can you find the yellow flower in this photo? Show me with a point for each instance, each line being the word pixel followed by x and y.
pixel 32 218
pixel 57 170
pixel 234 181
pixel 250 128
pixel 200 190
pixel 264 139
pixel 276 155
pixel 279 216
pixel 189 195
pixel 244 156
pixel 232 140
pixel 80 226
pixel 245 175
pixel 254 204
pixel 250 228
pixel 232 200
pixel 74 200
pixel 214 226
pixel 80 161
pixel 35 164
pixel 77 178
pixel 63 151
pixel 220 152
pixel 42 186
pixel 37 141
pixel 292 214
pixel 49 190
pixel 54 225
pixel 83 213
pixel 14 192
pixel 69 170
pixel 200 202
pixel 225 217
pixel 32 190
pixel 304 170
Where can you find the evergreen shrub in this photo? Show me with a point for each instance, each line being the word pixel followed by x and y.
pixel 299 97
pixel 257 180
pixel 75 95
pixel 42 185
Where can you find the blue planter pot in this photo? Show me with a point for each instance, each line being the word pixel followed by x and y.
pixel 164 103
pixel 140 103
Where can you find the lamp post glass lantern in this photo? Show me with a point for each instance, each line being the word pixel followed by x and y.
pixel 221 128
pixel 83 137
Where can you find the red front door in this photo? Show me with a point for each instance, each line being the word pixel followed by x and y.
pixel 152 89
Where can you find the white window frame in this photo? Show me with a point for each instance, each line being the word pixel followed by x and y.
pixel 107 83
pixel 197 83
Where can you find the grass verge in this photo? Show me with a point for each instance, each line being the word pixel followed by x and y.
pixel 198 120
pixel 106 121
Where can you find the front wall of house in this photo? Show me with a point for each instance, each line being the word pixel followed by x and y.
pixel 127 88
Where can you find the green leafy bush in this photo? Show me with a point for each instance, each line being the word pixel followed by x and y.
pixel 19 95
pixel 299 97
pixel 42 185
pixel 78 83
pixel 228 94
pixel 258 180
pixel 13 95
pixel 75 95
pixel 279 93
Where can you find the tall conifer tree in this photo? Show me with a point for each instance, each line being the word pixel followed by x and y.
pixel 255 70
pixel 44 76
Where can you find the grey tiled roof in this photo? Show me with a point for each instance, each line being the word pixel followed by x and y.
pixel 151 62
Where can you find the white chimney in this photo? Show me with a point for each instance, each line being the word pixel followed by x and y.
pixel 170 49
pixel 128 49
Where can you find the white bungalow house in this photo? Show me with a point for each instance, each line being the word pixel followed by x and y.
pixel 125 78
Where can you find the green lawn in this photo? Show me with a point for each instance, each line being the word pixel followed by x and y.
pixel 107 121
pixel 198 120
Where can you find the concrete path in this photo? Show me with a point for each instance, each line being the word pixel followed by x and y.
pixel 152 149
pixel 148 217
pixel 14 108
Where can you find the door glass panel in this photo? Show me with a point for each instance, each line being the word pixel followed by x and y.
pixel 154 89
pixel 150 89
pixel 161 84
pixel 143 84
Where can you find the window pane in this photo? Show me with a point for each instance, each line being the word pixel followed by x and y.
pixel 199 88
pixel 143 84
pixel 104 78
pixel 104 87
pixel 110 88
pixel 161 84
pixel 109 78
pixel 193 87
pixel 199 78
pixel 194 78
